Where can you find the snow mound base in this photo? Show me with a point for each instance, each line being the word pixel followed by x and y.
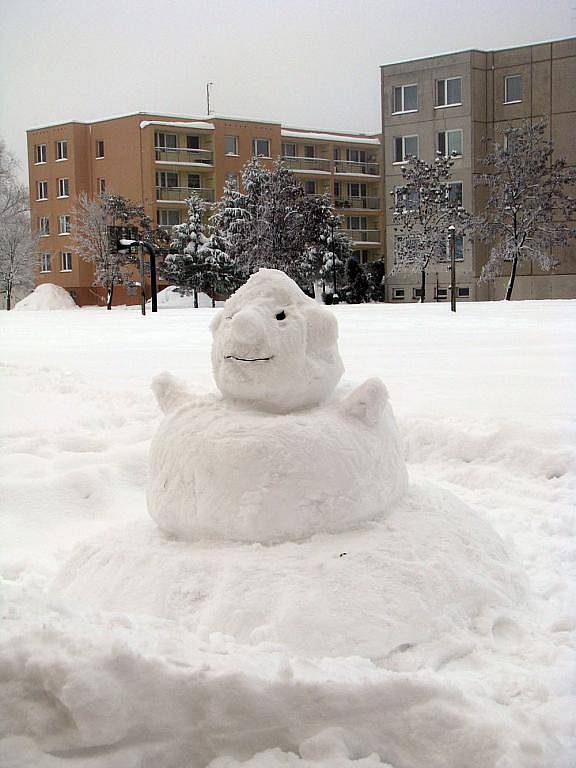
pixel 47 296
pixel 432 571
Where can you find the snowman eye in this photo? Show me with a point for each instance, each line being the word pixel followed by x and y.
pixel 281 315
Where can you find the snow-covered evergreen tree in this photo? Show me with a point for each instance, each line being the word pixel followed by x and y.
pixel 529 210
pixel 424 208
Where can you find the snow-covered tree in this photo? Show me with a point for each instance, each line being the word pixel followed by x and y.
pixel 97 223
pixel 17 244
pixel 529 209
pixel 425 205
pixel 358 284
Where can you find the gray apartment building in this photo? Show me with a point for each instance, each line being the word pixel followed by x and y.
pixel 458 102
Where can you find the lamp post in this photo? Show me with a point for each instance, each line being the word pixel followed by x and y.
pixel 452 242
pixel 333 261
pixel 208 96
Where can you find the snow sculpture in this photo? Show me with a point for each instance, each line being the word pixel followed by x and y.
pixel 278 456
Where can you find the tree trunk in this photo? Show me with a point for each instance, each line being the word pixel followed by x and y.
pixel 423 287
pixel 195 298
pixel 8 298
pixel 110 294
pixel 512 278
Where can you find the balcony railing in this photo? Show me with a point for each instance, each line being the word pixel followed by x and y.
pixel 366 203
pixel 363 235
pixel 356 169
pixel 307 163
pixel 186 156
pixel 180 194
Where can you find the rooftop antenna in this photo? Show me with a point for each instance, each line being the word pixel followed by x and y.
pixel 208 96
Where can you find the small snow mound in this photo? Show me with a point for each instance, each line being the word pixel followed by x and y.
pixel 171 298
pixel 47 296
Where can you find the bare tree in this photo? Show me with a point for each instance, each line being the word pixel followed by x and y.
pixel 91 239
pixel 17 244
pixel 529 209
pixel 425 205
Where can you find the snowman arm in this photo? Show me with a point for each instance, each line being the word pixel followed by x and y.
pixel 366 403
pixel 170 393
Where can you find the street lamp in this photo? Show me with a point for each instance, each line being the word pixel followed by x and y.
pixel 208 96
pixel 124 243
pixel 452 242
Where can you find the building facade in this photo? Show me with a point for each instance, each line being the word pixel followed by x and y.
pixel 157 160
pixel 458 103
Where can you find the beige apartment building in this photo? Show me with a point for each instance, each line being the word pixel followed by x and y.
pixel 156 160
pixel 454 103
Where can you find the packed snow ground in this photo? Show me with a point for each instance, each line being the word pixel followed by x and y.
pixel 486 407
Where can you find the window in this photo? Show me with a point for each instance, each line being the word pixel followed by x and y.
pixel 231 145
pixel 449 92
pixel 166 179
pixel 405 147
pixel 43 226
pixel 459 249
pixel 41 190
pixel 40 153
pixel 356 155
pixel 289 150
pixel 310 187
pixel 450 143
pixel 194 181
pixel 232 179
pixel 512 89
pixel 360 256
pixel 261 147
pixel 101 186
pixel 45 265
pixel 192 142
pixel 441 293
pixel 62 150
pixel 406 199
pixel 416 293
pixel 309 151
pixel 455 192
pixel 99 149
pixel 510 140
pixel 166 140
pixel 357 190
pixel 166 217
pixel 399 293
pixel 463 292
pixel 64 225
pixel 66 262
pixel 357 223
pixel 63 188
pixel 405 99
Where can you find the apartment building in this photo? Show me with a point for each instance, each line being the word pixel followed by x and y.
pixel 156 160
pixel 455 103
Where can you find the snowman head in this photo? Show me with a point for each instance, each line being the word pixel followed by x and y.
pixel 274 346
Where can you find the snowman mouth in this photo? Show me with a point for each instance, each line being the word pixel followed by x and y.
pixel 247 359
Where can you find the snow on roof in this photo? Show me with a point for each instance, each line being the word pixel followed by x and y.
pixel 330 137
pixel 199 124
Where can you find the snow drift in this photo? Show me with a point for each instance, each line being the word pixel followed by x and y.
pixel 47 296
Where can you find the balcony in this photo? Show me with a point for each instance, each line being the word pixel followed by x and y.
pixel 352 168
pixel 183 156
pixel 307 164
pixel 364 203
pixel 363 235
pixel 181 194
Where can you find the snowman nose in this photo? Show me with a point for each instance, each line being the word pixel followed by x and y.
pixel 248 326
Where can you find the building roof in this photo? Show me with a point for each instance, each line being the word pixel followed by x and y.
pixel 347 138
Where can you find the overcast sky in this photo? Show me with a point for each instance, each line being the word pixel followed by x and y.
pixel 311 63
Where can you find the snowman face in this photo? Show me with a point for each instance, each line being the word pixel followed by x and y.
pixel 275 352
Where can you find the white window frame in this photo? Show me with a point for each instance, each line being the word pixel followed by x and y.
pixel 463 295
pixel 447 142
pixel 164 176
pixel 41 190
pixel 44 226
pixel 67 261
pixel 460 184
pixel 310 181
pixel 403 139
pixel 64 224
pixel 160 140
pixel 163 213
pixel 101 185
pixel 285 145
pixel 61 156
pixel 445 80
pixel 99 148
pixel 416 293
pixel 255 152
pixel 399 294
pixel 403 99
pixel 233 140
pixel 441 293
pixel 506 99
pixel 45 262
pixel 233 178
pixel 41 152
pixel 64 184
